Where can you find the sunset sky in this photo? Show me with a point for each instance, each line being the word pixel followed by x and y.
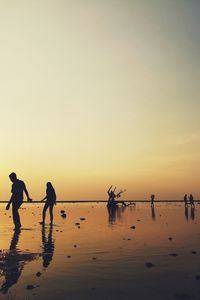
pixel 100 92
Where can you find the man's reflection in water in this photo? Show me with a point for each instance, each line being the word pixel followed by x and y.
pixel 153 213
pixel 48 246
pixel 192 213
pixel 186 212
pixel 115 213
pixel 12 263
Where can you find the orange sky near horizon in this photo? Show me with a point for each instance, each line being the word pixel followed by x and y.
pixel 95 93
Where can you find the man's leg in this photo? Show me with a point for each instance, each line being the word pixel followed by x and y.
pixel 16 217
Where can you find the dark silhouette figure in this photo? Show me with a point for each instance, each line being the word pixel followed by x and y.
pixel 153 213
pixel 191 198
pixel 112 196
pixel 185 199
pixel 50 202
pixel 186 212
pixel 18 188
pixel 48 246
pixel 192 212
pixel 152 199
pixel 13 262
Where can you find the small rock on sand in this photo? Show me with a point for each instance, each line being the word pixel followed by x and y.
pixel 63 215
pixel 170 238
pixel 133 227
pixel 173 254
pixel 38 274
pixel 82 219
pixel 149 265
pixel 30 287
pixel 77 224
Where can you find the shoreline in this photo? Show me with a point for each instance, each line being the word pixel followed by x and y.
pixel 105 201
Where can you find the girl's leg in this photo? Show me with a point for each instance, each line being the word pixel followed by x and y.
pixel 44 212
pixel 51 213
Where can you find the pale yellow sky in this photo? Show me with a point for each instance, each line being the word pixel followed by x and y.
pixel 95 93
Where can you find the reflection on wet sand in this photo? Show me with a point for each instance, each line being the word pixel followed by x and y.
pixel 186 212
pixel 192 213
pixel 153 213
pixel 12 263
pixel 48 246
pixel 115 213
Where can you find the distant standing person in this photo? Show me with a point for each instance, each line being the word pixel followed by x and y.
pixel 185 199
pixel 152 199
pixel 50 202
pixel 18 188
pixel 191 198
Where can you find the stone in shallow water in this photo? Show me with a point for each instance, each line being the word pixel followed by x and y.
pixel 38 274
pixel 149 265
pixel 170 238
pixel 133 227
pixel 77 224
pixel 82 219
pixel 63 215
pixel 62 211
pixel 194 252
pixel 173 254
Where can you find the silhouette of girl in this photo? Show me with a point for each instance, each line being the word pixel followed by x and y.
pixel 50 202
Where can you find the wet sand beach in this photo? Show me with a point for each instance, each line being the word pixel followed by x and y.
pixel 95 253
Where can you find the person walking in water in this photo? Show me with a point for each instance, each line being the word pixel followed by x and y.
pixel 50 202
pixel 152 199
pixel 185 199
pixel 18 189
pixel 191 198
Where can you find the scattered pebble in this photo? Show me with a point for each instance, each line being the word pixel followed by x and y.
pixel 173 254
pixel 38 274
pixel 68 256
pixel 75 246
pixel 170 238
pixel 149 265
pixel 63 215
pixel 82 219
pixel 133 227
pixel 77 224
pixel 94 258
pixel 194 252
pixel 30 287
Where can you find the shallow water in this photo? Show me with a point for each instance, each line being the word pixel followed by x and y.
pixel 105 258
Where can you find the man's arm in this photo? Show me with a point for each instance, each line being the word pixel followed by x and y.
pixel 9 203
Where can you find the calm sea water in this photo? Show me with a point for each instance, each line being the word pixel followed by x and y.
pixel 95 254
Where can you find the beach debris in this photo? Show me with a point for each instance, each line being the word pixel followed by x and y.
pixel 38 274
pixel 173 254
pixel 30 287
pixel 132 227
pixel 149 265
pixel 82 219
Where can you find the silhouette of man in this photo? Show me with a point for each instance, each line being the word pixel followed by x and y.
pixel 18 188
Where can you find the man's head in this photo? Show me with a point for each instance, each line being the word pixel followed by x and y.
pixel 13 177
